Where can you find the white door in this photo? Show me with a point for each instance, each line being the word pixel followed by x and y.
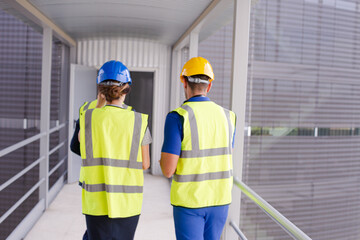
pixel 82 89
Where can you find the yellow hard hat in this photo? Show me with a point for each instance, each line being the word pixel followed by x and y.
pixel 195 66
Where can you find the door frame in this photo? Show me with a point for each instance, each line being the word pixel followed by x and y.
pixel 157 107
pixel 70 177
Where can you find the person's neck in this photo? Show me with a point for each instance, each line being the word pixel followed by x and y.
pixel 118 102
pixel 197 94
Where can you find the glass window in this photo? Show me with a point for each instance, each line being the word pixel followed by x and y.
pixel 303 111
pixel 58 108
pixel 217 49
pixel 20 78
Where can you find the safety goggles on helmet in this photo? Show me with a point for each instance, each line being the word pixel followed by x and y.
pixel 112 83
pixel 197 80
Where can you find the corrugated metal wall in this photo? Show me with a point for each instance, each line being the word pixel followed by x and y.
pixel 134 53
pixel 137 55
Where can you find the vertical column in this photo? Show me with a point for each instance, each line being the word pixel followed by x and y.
pixel 64 100
pixel 238 99
pixel 194 44
pixel 45 112
pixel 175 79
pixel 75 57
pixel 74 53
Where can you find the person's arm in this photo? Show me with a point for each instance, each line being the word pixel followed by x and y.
pixel 145 156
pixel 171 149
pixel 168 163
pixel 145 152
pixel 75 144
pixel 101 101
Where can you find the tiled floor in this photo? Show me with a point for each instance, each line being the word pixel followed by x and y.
pixel 63 219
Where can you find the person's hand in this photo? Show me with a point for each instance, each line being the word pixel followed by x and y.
pixel 100 100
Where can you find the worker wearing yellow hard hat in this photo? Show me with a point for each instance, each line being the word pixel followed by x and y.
pixel 197 152
pixel 197 66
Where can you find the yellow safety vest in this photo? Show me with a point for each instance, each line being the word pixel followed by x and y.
pixel 110 146
pixel 92 105
pixel 203 175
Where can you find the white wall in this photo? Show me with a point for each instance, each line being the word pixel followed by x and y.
pixel 137 55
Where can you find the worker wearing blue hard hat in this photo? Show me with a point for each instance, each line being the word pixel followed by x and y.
pixel 110 70
pixel 197 152
pixel 114 147
pixel 97 103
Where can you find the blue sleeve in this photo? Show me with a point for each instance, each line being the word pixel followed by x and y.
pixel 173 133
pixel 75 144
pixel 233 141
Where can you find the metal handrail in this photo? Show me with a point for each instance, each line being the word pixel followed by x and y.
pixel 238 231
pixel 54 129
pixel 288 226
pixel 29 140
pixel 21 144
pixel 24 143
pixel 56 147
pixel 21 200
pixel 20 174
pixel 57 166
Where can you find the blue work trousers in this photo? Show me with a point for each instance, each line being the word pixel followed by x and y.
pixel 199 223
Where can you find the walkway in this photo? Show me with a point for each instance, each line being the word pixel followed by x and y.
pixel 63 219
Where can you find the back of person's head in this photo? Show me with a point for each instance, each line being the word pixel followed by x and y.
pixel 113 80
pixel 198 83
pixel 112 90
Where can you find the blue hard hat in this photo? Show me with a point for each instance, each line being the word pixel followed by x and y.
pixel 114 70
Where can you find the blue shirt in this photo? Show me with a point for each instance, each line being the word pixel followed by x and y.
pixel 173 130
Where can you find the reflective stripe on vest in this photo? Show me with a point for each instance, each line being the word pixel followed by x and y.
pixel 112 188
pixel 83 108
pixel 203 176
pixel 196 152
pixel 86 107
pixel 131 163
pixel 126 106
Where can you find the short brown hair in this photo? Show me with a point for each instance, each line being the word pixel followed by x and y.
pixel 113 92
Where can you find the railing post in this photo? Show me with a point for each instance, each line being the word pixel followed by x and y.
pixel 175 79
pixel 238 99
pixel 194 44
pixel 45 112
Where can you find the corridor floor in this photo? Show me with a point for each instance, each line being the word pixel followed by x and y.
pixel 63 219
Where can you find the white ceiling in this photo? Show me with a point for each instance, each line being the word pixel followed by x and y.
pixel 160 20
